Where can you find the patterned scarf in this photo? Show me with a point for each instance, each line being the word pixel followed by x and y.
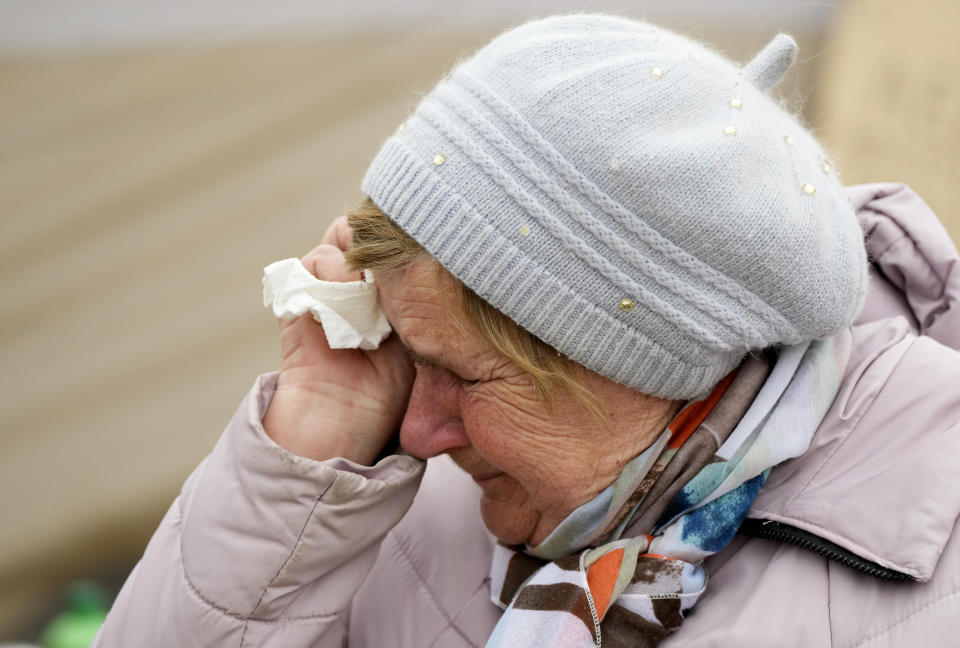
pixel 626 566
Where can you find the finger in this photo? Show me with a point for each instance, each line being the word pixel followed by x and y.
pixel 326 262
pixel 339 234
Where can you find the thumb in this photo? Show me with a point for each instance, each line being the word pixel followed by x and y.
pixel 326 262
pixel 339 234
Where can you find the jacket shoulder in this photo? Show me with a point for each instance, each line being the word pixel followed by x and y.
pixel 915 267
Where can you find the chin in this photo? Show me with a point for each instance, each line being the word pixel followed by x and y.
pixel 511 525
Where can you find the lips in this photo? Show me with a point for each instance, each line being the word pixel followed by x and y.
pixel 471 463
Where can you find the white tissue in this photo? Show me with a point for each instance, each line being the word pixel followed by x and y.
pixel 348 311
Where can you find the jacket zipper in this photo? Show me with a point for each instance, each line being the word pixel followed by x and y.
pixel 770 530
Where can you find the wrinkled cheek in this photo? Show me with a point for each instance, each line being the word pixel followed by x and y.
pixel 496 427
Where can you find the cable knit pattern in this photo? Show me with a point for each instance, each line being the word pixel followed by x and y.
pixel 629 196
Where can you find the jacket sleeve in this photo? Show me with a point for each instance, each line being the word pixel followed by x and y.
pixel 262 547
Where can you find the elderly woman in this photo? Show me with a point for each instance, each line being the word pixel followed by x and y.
pixel 634 334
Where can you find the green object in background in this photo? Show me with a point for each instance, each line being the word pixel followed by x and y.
pixel 78 624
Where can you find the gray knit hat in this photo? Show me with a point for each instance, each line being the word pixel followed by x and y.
pixel 630 197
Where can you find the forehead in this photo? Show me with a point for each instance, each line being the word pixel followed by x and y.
pixel 423 307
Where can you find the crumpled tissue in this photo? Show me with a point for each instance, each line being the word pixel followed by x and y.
pixel 348 311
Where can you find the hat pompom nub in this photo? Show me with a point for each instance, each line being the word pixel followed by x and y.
pixel 591 161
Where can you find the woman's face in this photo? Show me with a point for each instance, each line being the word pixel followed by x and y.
pixel 534 464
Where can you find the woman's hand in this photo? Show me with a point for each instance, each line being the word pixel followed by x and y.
pixel 336 402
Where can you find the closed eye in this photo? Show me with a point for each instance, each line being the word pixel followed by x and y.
pixel 424 361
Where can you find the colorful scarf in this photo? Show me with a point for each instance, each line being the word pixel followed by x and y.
pixel 625 567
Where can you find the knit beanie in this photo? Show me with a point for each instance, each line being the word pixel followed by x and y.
pixel 630 197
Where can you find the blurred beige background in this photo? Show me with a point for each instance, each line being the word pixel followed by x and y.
pixel 154 156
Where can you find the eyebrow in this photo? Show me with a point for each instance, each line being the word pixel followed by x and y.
pixel 425 360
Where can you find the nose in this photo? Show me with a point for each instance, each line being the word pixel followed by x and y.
pixel 432 424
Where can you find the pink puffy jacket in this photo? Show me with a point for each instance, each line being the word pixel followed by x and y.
pixel 264 548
